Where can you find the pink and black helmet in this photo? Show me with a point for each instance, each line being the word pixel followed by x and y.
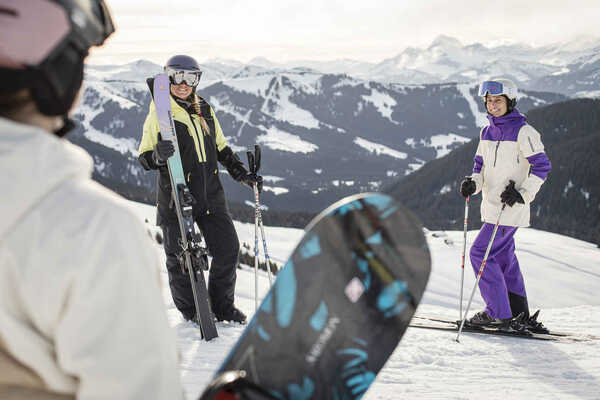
pixel 43 44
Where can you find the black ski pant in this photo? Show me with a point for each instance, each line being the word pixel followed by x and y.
pixel 223 245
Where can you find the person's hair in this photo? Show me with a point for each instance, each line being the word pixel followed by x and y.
pixel 12 103
pixel 196 105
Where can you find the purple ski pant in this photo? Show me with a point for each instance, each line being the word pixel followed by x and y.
pixel 501 273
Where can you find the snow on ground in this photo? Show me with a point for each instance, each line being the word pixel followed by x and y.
pixel 562 277
pixel 591 94
pixel 383 102
pixel 277 139
pixel 283 109
pixel 414 166
pixel 442 143
pixel 89 108
pixel 272 178
pixel 256 85
pixel 276 189
pixel 378 148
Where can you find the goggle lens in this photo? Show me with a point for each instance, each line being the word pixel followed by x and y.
pixel 491 87
pixel 190 78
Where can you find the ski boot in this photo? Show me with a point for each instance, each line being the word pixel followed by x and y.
pixel 232 314
pixel 514 325
pixel 483 319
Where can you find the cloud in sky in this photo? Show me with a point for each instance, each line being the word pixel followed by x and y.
pixel 326 30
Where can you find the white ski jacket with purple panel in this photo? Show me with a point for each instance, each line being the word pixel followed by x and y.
pixel 509 149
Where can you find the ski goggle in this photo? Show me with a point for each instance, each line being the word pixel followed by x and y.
pixel 491 87
pixel 190 78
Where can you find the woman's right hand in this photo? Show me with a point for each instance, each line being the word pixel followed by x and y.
pixel 162 151
pixel 467 187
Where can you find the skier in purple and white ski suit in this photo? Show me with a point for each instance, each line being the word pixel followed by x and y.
pixel 509 150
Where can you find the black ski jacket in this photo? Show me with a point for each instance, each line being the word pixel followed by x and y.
pixel 199 150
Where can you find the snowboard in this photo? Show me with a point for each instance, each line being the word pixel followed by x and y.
pixel 193 256
pixel 338 307
pixel 448 324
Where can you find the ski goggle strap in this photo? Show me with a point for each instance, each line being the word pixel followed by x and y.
pixel 491 87
pixel 190 78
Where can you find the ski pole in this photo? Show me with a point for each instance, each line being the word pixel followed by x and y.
pixel 255 254
pixel 257 160
pixel 485 257
pixel 462 267
pixel 262 234
pixel 252 168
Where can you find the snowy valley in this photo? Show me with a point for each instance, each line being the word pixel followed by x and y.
pixel 562 277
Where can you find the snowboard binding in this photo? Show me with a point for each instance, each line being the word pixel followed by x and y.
pixel 233 385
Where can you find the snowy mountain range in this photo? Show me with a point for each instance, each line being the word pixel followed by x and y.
pixel 569 68
pixel 323 136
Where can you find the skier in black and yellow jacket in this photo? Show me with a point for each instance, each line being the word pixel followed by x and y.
pixel 201 144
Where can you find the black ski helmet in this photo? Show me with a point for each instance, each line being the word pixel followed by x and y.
pixel 181 62
pixel 44 43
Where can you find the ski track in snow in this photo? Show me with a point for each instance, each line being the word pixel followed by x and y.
pixel 429 364
pixel 480 117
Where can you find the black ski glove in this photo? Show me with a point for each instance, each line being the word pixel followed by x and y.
pixel 467 187
pixel 232 162
pixel 511 195
pixel 251 179
pixel 162 151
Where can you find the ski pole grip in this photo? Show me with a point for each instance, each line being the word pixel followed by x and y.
pixel 257 157
pixel 251 164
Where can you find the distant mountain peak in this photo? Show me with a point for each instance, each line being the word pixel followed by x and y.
pixel 262 62
pixel 224 61
pixel 144 64
pixel 445 41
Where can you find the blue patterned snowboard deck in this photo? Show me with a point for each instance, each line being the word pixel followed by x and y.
pixel 340 305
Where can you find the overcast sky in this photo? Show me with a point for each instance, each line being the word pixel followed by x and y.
pixel 369 30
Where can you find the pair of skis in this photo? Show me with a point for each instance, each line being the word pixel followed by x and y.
pixel 193 256
pixel 452 325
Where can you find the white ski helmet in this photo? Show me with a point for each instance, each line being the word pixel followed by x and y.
pixel 500 87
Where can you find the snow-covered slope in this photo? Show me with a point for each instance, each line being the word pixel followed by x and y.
pixel 562 277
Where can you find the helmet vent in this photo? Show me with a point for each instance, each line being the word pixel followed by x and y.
pixel 9 11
